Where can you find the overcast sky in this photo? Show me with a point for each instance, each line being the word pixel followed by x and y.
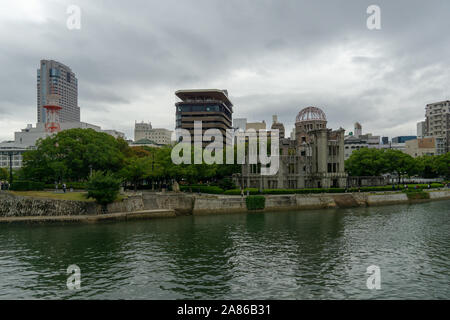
pixel 273 57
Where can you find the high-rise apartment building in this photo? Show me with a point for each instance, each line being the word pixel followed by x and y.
pixel 437 122
pixel 210 106
pixel 55 78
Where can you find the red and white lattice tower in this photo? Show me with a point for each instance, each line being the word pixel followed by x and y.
pixel 52 114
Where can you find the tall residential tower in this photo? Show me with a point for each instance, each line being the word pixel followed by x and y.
pixel 437 122
pixel 55 78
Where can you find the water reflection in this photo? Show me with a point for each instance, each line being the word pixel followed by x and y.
pixel 280 255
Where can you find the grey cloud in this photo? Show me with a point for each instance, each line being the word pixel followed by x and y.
pixel 126 50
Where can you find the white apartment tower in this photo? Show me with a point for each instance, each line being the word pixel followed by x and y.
pixel 55 78
pixel 437 122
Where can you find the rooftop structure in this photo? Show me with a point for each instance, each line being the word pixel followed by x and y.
pixel 311 113
pixel 211 107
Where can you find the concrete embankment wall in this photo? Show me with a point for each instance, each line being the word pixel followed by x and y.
pixel 23 206
pixel 187 204
pixel 224 204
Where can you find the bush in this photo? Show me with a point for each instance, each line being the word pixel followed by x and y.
pixel 252 191
pixel 26 185
pixel 255 202
pixel 103 187
pixel 226 184
pixel 417 195
pixel 202 189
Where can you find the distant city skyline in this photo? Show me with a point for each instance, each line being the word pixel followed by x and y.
pixel 129 60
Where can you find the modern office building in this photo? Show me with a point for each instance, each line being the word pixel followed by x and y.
pixel 437 122
pixel 159 136
pixel 314 159
pixel 210 106
pixel 403 139
pixel 56 78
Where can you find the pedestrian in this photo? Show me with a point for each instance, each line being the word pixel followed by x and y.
pixel 242 193
pixel 64 187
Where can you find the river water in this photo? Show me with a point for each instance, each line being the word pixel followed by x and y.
pixel 317 254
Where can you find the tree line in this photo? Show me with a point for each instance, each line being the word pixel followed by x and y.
pixel 74 155
pixel 375 162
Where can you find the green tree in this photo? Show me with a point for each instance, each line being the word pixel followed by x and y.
pixel 442 165
pixel 426 166
pixel 103 187
pixel 136 170
pixel 400 163
pixel 366 162
pixel 4 175
pixel 72 153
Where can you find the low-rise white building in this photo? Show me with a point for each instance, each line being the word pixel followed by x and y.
pixel 26 140
pixel 11 154
pixel 144 130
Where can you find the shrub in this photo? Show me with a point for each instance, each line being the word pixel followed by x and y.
pixel 255 202
pixel 417 195
pixel 252 191
pixel 103 187
pixel 226 184
pixel 26 185
pixel 202 189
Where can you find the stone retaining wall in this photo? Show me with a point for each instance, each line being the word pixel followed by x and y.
pixel 186 204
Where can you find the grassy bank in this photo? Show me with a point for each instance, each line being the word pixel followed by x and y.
pixel 75 196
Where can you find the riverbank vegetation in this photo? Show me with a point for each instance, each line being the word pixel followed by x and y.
pixel 375 162
pixel 75 196
pixel 73 156
pixel 255 202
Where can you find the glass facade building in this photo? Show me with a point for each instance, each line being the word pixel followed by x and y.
pixel 55 78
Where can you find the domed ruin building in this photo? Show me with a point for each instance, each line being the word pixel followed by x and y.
pixel 314 159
